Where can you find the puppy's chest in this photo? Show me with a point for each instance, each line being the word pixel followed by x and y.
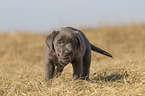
pixel 54 59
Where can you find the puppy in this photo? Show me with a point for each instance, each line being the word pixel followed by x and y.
pixel 69 45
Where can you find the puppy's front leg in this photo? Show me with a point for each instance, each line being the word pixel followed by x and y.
pixel 49 70
pixel 58 71
pixel 77 68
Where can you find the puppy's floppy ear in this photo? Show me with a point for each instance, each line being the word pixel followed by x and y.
pixel 79 38
pixel 50 38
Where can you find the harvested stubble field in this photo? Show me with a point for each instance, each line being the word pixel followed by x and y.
pixel 22 64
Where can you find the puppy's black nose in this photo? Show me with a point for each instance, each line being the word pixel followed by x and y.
pixel 67 53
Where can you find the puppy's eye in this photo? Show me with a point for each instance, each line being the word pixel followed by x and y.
pixel 60 41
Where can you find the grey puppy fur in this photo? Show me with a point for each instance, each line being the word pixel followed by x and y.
pixel 68 45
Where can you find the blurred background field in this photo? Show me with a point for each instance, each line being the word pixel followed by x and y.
pixel 115 26
pixel 22 64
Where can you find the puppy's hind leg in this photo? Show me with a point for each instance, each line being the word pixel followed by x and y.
pixel 86 65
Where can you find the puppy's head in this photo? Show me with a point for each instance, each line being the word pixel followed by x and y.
pixel 64 43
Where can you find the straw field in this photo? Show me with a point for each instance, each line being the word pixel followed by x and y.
pixel 22 64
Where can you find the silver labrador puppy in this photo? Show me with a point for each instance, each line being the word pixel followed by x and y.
pixel 69 45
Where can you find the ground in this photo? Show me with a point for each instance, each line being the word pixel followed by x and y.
pixel 22 64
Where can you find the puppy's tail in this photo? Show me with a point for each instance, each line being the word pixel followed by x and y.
pixel 96 49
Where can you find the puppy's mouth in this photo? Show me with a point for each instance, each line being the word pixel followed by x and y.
pixel 67 59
